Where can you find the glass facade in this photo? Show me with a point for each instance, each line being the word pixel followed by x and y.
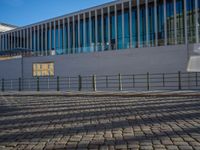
pixel 170 21
pixel 119 29
pixel 160 21
pixel 126 27
pixel 142 25
pixel 112 27
pixel 151 24
pixel 191 20
pixel 180 21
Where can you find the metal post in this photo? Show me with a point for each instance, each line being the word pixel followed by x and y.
pixel 38 84
pixel 2 83
pixel 19 84
pixel 79 83
pixel 179 80
pixel 196 76
pixel 163 76
pixel 120 82
pixel 69 82
pixel 58 83
pixel 106 81
pixel 133 81
pixel 148 84
pixel 94 83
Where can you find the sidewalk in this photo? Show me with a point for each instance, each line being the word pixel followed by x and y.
pixel 103 93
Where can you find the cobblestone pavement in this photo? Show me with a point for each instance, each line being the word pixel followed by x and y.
pixel 35 123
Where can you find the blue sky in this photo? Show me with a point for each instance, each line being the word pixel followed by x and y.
pixel 24 12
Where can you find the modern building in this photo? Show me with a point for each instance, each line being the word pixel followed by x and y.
pixel 123 36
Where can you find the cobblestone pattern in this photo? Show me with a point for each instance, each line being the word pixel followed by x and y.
pixel 105 123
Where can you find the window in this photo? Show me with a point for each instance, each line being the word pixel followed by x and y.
pixel 180 21
pixel 43 69
pixel 170 22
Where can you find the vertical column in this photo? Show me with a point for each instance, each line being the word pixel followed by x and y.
pixel 18 45
pixel 196 21
pixel 79 39
pixel 155 16
pixel 109 41
pixel 185 21
pixel 147 23
pixel 130 18
pixel 122 25
pixel 175 31
pixel 31 47
pixel 42 39
pixel 74 39
pixel 24 39
pixel 55 36
pixel 2 41
pixel 27 38
pixel 84 32
pixel 138 22
pixel 102 22
pixel 59 35
pixel 50 39
pixel 35 46
pixel 96 30
pixel 46 36
pixel 8 41
pixel 116 41
pixel 20 36
pixel 13 38
pixel 90 28
pixel 38 40
pixel 5 46
pixel 165 22
pixel 64 36
pixel 69 39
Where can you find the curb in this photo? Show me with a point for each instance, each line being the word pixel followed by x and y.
pixel 107 94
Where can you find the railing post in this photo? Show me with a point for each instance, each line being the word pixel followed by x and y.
pixel 38 84
pixel 120 82
pixel 2 88
pixel 163 77
pixel 133 81
pixel 20 84
pixel 196 76
pixel 94 83
pixel 148 86
pixel 179 80
pixel 106 81
pixel 79 83
pixel 58 83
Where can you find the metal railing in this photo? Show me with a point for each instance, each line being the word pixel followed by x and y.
pixel 131 82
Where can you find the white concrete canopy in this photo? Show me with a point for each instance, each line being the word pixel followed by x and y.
pixel 194 64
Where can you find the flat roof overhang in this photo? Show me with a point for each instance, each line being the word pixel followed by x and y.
pixel 194 64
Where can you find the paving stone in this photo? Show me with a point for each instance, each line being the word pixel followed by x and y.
pixel 108 123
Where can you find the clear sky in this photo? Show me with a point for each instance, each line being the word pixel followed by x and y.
pixel 24 12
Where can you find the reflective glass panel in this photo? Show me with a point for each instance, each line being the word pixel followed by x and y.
pixel 180 21
pixel 126 29
pixel 191 20
pixel 142 25
pixel 119 30
pixel 160 22
pixel 151 20
pixel 170 21
pixel 134 27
